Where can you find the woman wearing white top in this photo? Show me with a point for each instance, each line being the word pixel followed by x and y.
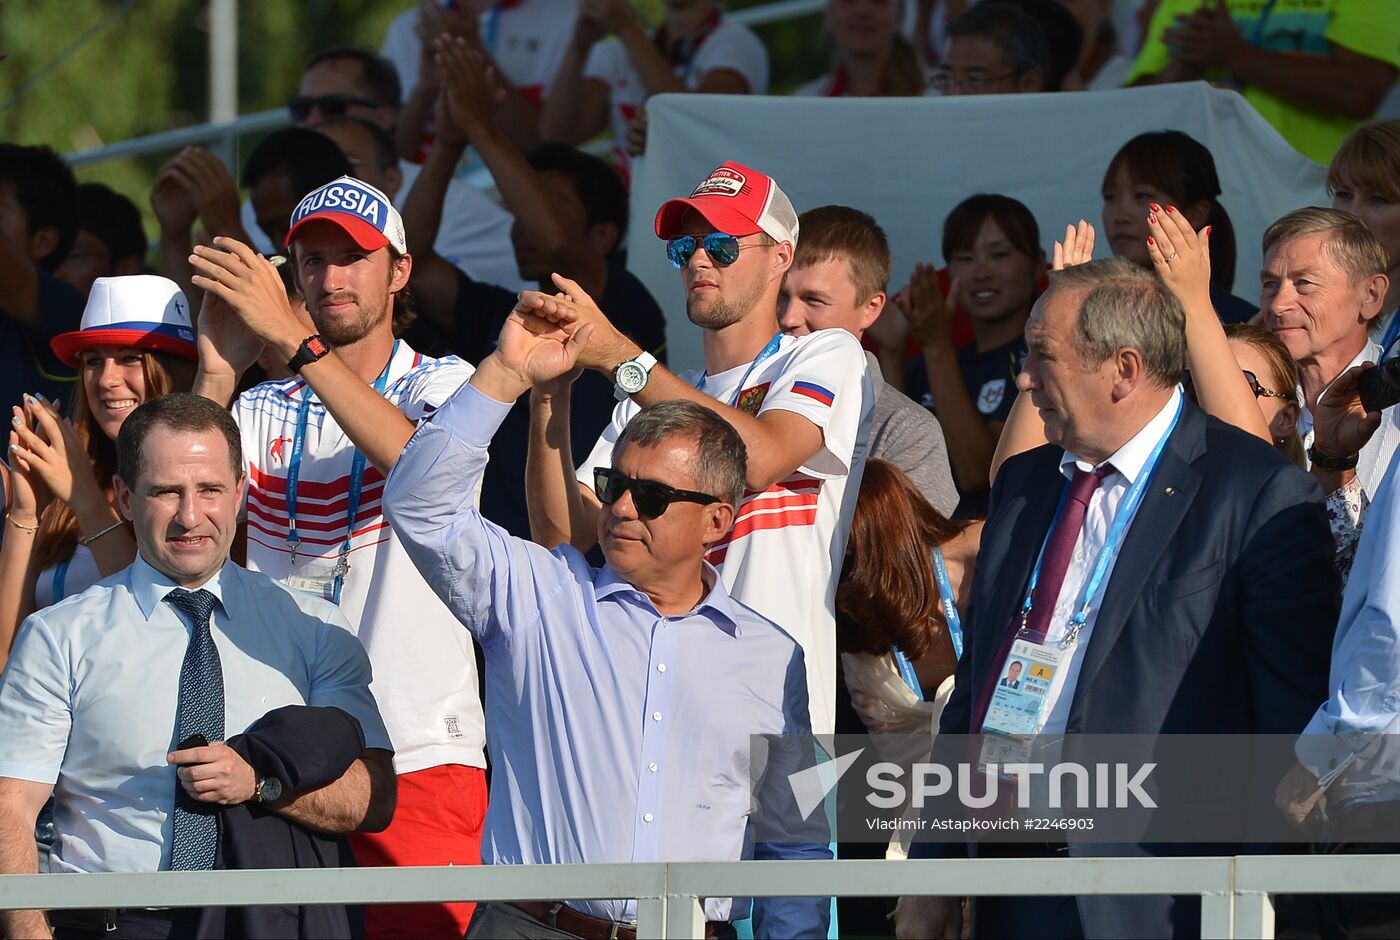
pixel 898 626
pixel 62 528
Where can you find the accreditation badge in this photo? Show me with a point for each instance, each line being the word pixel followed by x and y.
pixel 317 576
pixel 1016 712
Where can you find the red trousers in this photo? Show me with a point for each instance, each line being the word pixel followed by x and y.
pixel 438 822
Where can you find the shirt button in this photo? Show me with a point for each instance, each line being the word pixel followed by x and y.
pixel 648 817
pixel 660 667
pixel 655 716
pixel 652 766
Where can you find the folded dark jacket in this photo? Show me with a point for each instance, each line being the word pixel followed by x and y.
pixel 305 747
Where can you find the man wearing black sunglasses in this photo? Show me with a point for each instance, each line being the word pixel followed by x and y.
pixel 801 404
pixel 644 672
pixel 358 82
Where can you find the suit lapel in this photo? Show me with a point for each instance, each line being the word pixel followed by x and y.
pixel 1169 495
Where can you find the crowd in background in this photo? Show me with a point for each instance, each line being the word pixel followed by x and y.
pixel 855 493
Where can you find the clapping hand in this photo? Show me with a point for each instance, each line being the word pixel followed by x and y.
pixel 930 310
pixel 468 97
pixel 1206 39
pixel 226 344
pixel 1076 249
pixel 572 309
pixel 251 287
pixel 47 451
pixel 540 350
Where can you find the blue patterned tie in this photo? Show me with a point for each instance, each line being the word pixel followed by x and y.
pixel 194 835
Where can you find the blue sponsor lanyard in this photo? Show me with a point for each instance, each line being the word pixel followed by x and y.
pixel 1110 545
pixel 950 608
pixel 907 673
pixel 493 26
pixel 357 471
pixel 767 351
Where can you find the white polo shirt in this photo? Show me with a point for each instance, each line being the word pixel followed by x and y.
pixel 783 556
pixel 424 666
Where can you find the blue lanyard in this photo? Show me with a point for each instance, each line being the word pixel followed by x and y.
pixel 1110 545
pixel 357 471
pixel 60 576
pixel 1391 333
pixel 493 25
pixel 768 350
pixel 907 673
pixel 950 608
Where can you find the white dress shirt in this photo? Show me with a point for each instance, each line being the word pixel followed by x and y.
pixel 1376 455
pixel 89 699
pixel 1129 462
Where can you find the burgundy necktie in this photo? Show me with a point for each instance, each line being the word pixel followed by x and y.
pixel 1053 566
pixel 1059 548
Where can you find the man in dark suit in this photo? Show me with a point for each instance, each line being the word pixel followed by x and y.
pixel 1012 679
pixel 1215 616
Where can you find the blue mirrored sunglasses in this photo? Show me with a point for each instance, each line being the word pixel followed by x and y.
pixel 723 249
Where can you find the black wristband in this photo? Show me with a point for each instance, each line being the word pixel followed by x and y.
pixel 1328 462
pixel 310 350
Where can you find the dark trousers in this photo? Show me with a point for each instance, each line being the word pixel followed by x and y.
pixel 130 925
pixel 1031 917
pixel 501 921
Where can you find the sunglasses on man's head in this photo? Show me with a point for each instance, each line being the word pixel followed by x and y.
pixel 1254 386
pixel 723 249
pixel 329 105
pixel 650 497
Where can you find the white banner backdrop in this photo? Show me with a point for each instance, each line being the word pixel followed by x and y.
pixel 909 161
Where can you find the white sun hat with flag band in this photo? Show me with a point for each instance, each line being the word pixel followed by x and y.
pixel 141 310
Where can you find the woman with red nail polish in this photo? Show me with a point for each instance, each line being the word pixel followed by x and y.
pixel 1157 172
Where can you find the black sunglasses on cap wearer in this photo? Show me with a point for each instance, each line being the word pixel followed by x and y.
pixel 1254 386
pixel 650 497
pixel 329 105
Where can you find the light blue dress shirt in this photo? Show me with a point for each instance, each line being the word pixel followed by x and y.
pixel 88 699
pixel 1358 728
pixel 616 734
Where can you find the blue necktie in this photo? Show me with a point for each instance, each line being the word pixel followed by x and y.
pixel 194 835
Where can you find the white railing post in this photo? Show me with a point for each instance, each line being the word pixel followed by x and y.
pixel 651 917
pixel 1254 915
pixel 1218 915
pixel 685 918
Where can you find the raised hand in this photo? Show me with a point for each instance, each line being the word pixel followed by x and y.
pixel 637 133
pixel 249 284
pixel 1207 39
pixel 929 309
pixel 212 189
pixel 1180 256
pixel 29 495
pixel 226 344
pixel 468 93
pixel 540 350
pixel 572 309
pixel 1077 248
pixel 172 203
pixel 51 453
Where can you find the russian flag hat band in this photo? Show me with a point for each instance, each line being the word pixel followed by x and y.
pixel 140 310
pixel 365 213
pixel 736 201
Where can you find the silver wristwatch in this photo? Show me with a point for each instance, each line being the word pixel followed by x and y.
pixel 268 790
pixel 631 377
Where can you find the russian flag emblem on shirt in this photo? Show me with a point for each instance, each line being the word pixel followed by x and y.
pixel 815 392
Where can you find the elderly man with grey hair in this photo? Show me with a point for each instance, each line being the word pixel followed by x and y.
pixel 1214 612
pixel 621 699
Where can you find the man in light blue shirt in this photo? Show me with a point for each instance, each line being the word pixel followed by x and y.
pixel 621 700
pixel 116 701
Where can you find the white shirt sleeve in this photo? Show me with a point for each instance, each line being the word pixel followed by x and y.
pixel 734 48
pixel 826 380
pixel 35 708
pixel 607 62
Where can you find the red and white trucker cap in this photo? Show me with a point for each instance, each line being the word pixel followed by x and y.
pixel 737 201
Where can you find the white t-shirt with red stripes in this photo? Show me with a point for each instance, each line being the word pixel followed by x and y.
pixel 424 667
pixel 783 556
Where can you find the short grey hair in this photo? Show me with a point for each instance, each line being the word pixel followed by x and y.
pixel 721 460
pixel 1124 305
pixel 1350 243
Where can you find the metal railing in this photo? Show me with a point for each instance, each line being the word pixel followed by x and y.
pixel 1234 891
pixel 221 136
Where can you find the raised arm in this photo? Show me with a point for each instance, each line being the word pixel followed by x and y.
pixel 576 107
pixel 1182 260
pixel 249 284
pixel 434 279
pixel 469 97
pixel 971 440
pixel 560 510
